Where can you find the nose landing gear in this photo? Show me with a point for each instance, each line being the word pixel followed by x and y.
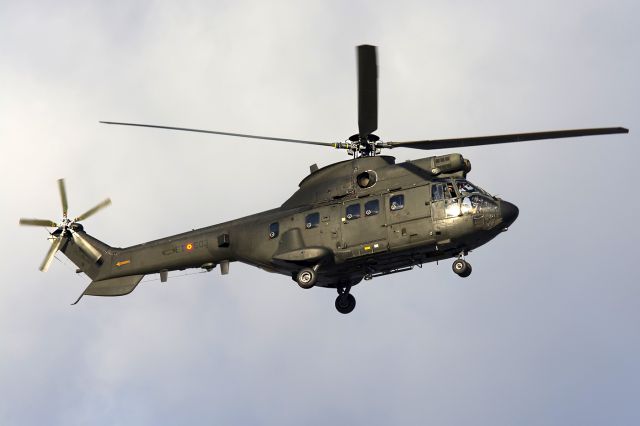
pixel 461 267
pixel 345 302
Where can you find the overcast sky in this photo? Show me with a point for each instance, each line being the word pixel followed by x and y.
pixel 544 332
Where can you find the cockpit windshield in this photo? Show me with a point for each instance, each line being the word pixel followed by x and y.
pixel 461 197
pixel 474 200
pixel 478 204
pixel 466 188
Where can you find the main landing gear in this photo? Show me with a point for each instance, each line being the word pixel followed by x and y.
pixel 345 302
pixel 461 267
pixel 307 277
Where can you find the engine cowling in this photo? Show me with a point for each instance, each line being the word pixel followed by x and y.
pixel 450 164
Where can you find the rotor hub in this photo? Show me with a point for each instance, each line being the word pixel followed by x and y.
pixel 363 147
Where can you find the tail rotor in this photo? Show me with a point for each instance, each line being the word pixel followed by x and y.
pixel 55 246
pixel 67 228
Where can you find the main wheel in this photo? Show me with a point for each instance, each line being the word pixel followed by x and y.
pixel 306 278
pixel 461 268
pixel 468 272
pixel 345 303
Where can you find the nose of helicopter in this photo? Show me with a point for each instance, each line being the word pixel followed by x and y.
pixel 509 213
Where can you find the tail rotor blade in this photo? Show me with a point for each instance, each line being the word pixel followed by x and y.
pixel 85 246
pixel 367 90
pixel 38 222
pixel 93 210
pixel 52 252
pixel 63 197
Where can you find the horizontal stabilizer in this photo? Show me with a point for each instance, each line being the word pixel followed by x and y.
pixel 112 287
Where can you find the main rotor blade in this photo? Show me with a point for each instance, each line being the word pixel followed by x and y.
pixel 93 210
pixel 241 135
pixel 367 90
pixel 52 252
pixel 85 246
pixel 38 222
pixel 498 139
pixel 63 197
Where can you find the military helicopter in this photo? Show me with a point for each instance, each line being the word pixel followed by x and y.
pixel 362 218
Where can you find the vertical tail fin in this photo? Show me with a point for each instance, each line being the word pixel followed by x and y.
pixel 90 255
pixel 83 260
pixel 98 270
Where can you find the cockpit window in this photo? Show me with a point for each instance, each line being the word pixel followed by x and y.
pixel 372 207
pixel 478 204
pixel 437 193
pixel 312 220
pixel 452 208
pixel 467 207
pixel 466 188
pixel 396 202
pixel 353 211
pixel 450 192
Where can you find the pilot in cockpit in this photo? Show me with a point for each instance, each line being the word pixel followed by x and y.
pixel 451 193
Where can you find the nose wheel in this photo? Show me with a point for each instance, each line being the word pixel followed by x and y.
pixel 345 302
pixel 461 267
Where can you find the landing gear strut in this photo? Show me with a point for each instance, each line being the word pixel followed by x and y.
pixel 345 302
pixel 461 267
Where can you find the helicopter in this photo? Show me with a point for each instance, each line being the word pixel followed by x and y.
pixel 350 221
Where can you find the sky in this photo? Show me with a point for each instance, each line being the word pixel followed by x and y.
pixel 545 331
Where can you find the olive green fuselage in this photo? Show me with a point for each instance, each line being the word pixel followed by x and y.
pixel 346 227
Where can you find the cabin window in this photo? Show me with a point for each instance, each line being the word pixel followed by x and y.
pixel 312 220
pixel 353 211
pixel 437 192
pixel 396 202
pixel 274 230
pixel 372 208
